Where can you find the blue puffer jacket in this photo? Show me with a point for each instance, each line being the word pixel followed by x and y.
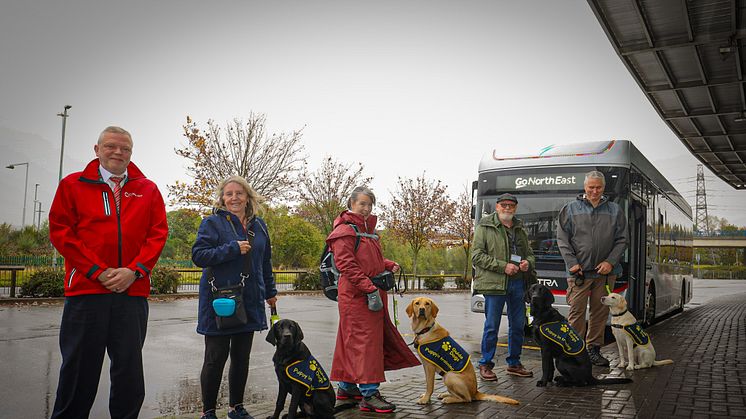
pixel 217 246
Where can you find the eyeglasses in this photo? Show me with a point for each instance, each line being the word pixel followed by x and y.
pixel 507 206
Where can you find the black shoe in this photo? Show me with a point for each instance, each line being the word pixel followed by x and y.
pixel 596 358
pixel 376 403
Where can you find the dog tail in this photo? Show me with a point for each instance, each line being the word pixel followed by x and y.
pixel 495 398
pixel 662 362
pixel 613 381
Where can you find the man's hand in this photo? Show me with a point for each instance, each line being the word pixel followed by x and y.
pixel 511 269
pixel 105 275
pixel 272 301
pixel 119 279
pixel 574 269
pixel 524 265
pixel 604 268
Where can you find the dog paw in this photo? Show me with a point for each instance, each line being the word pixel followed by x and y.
pixel 424 399
pixel 622 365
pixel 541 383
pixel 442 395
pixel 631 367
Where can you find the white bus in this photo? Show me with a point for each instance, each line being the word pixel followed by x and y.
pixel 657 266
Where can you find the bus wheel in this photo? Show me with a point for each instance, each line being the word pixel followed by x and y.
pixel 650 305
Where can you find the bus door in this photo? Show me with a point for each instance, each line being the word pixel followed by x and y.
pixel 637 220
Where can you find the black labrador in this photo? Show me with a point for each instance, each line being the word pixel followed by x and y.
pixel 568 355
pixel 287 336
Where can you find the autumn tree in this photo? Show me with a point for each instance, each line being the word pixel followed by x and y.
pixel 323 194
pixel 269 162
pixel 461 226
pixel 418 214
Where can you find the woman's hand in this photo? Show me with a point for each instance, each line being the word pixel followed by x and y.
pixel 244 246
pixel 396 268
pixel 272 301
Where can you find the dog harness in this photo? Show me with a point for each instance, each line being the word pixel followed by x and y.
pixel 639 336
pixel 309 373
pixel 445 354
pixel 561 333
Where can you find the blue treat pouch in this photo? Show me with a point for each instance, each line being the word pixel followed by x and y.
pixel 224 307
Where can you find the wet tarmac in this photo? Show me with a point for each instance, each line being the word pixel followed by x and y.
pixel 173 350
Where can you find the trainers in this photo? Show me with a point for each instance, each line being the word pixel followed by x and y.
pixel 486 373
pixel 209 415
pixel 239 412
pixel 596 358
pixel 519 371
pixel 376 403
pixel 347 395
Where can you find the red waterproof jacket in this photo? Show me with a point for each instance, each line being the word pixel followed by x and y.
pixel 87 229
pixel 368 343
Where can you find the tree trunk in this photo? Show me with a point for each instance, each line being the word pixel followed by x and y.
pixel 414 268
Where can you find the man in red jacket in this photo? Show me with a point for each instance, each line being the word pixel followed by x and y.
pixel 109 223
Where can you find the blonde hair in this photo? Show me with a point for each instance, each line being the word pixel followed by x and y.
pixel 253 206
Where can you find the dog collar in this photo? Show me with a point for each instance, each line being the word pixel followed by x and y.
pixel 620 314
pixel 421 332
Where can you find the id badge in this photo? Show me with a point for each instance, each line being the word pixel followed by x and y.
pixel 515 259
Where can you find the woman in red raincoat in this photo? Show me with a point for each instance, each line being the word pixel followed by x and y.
pixel 368 343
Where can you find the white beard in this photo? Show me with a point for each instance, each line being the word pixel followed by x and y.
pixel 506 218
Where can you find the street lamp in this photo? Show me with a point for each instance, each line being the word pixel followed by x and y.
pixel 62 149
pixel 33 215
pixel 25 189
pixel 62 153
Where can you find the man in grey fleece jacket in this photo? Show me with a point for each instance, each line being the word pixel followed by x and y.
pixel 592 237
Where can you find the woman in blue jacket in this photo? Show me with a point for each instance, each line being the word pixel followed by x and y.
pixel 224 241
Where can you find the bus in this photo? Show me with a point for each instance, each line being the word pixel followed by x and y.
pixel 657 265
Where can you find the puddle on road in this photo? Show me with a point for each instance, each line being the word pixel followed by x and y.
pixel 187 397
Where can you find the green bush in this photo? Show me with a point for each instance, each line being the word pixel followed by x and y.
pixel 434 283
pixel 308 281
pixel 45 283
pixel 164 280
pixel 463 283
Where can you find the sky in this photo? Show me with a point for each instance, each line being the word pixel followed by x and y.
pixel 406 88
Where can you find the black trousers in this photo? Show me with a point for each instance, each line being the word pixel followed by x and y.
pixel 92 324
pixel 217 349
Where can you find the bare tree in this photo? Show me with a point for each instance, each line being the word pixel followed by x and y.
pixel 323 194
pixel 418 214
pixel 268 162
pixel 461 226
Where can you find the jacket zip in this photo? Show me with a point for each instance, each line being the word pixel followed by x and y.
pixel 70 280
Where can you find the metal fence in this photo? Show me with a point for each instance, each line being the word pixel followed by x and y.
pixel 12 277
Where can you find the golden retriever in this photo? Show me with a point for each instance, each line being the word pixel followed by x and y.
pixel 631 341
pixel 461 383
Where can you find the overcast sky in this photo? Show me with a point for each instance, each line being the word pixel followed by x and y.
pixel 404 87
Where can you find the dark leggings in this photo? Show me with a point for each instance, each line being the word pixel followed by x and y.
pixel 216 353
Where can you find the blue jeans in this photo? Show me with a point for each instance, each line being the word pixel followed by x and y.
pixel 493 309
pixel 366 390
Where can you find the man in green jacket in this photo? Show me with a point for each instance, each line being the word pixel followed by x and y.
pixel 503 261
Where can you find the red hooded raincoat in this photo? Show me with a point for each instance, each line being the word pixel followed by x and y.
pixel 368 343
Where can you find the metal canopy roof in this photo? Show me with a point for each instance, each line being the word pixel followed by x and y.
pixel 688 57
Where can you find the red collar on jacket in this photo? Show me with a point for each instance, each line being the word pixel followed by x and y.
pixel 365 226
pixel 91 173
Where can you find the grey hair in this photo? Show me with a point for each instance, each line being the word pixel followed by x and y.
pixel 115 130
pixel 595 174
pixel 360 190
pixel 253 199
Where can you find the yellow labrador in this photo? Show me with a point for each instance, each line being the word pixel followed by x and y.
pixel 440 353
pixel 631 340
